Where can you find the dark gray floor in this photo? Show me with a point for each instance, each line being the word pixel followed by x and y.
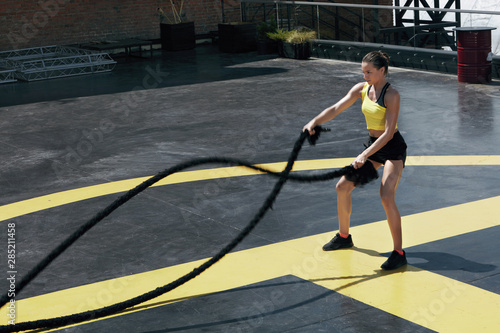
pixel 148 115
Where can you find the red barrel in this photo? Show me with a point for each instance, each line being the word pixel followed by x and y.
pixel 474 54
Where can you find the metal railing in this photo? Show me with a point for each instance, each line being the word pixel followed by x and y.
pixel 364 22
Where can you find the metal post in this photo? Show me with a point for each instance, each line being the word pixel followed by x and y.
pixel 288 16
pixel 317 19
pixel 242 10
pixel 222 9
pixel 363 21
pixel 278 16
pixel 313 17
pixel 416 13
pixel 376 23
pixel 337 25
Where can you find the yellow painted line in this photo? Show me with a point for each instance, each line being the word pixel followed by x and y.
pixel 66 197
pixel 28 206
pixel 453 160
pixel 107 294
pixel 428 299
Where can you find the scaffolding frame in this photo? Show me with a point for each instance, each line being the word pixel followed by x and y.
pixel 7 75
pixel 47 62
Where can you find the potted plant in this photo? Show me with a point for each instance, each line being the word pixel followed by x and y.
pixel 295 44
pixel 175 32
pixel 266 45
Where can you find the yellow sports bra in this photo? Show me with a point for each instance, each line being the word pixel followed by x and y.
pixel 374 111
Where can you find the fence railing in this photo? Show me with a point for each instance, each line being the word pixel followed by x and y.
pixel 431 28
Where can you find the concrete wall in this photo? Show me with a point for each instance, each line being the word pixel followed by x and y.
pixel 401 56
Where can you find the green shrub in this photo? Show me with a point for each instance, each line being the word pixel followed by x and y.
pixel 293 36
pixel 264 28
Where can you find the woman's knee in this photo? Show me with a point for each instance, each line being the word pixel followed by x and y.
pixel 387 194
pixel 344 186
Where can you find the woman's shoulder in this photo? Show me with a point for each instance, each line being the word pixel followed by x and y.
pixel 392 92
pixel 391 96
pixel 361 84
pixel 358 87
pixel 356 91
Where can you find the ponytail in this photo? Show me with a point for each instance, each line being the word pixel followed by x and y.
pixel 379 59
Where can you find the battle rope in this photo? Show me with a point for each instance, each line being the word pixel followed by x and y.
pixel 360 178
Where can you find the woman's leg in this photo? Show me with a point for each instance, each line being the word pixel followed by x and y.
pixel 390 180
pixel 344 203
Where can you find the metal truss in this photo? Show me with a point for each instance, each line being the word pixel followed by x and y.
pixel 7 75
pixel 48 62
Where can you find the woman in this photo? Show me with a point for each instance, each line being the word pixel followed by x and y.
pixel 380 105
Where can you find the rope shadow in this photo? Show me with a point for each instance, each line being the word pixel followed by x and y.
pixel 361 279
pixel 263 315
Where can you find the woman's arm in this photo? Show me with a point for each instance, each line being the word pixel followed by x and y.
pixel 392 101
pixel 334 110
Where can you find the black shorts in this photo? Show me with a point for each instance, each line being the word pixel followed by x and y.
pixel 395 149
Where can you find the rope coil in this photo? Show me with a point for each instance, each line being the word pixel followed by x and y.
pixel 361 178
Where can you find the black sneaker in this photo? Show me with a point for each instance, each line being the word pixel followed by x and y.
pixel 338 242
pixel 396 260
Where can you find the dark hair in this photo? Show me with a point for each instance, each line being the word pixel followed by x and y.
pixel 379 59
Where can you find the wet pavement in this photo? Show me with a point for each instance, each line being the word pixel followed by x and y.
pixel 150 114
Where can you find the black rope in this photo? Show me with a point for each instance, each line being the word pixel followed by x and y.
pixel 115 308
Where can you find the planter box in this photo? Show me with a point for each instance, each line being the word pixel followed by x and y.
pixel 267 46
pixel 237 37
pixel 177 37
pixel 295 51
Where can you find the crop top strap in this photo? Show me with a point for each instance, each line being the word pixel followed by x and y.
pixel 380 100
